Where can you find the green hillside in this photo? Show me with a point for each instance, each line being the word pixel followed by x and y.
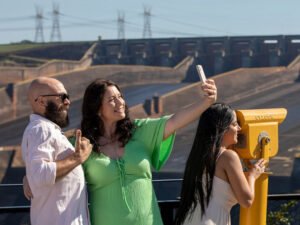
pixel 9 48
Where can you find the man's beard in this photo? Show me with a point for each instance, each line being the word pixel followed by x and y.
pixel 56 115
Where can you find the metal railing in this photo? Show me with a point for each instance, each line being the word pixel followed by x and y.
pixel 282 208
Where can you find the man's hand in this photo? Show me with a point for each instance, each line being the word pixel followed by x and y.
pixel 83 147
pixel 26 189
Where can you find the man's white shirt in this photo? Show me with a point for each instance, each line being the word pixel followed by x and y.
pixel 53 203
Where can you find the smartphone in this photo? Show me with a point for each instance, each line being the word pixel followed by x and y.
pixel 201 73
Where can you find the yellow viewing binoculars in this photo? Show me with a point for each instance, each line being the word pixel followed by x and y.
pixel 256 125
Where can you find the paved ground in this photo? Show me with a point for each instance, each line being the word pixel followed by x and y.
pixel 286 95
pixel 282 165
pixel 11 133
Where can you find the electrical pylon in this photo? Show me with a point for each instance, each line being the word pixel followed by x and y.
pixel 55 33
pixel 147 23
pixel 39 34
pixel 121 25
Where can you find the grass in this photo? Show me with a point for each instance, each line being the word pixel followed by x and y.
pixel 17 47
pixel 14 47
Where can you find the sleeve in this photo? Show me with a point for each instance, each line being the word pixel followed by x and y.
pixel 150 132
pixel 40 158
pixel 72 140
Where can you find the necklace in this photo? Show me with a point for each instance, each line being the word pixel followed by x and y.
pixel 100 145
pixel 106 141
pixel 96 143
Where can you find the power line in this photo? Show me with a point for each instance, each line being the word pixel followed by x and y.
pixel 105 25
pixel 194 25
pixel 157 30
pixel 16 19
pixel 87 19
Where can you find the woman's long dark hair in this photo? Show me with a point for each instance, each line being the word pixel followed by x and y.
pixel 92 125
pixel 201 164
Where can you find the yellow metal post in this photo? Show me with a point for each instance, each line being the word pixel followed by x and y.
pixel 257 213
pixel 258 138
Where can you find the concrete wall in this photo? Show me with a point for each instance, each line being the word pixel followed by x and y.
pixel 6 106
pixel 232 86
pixel 76 82
pixel 259 79
pixel 216 54
pixel 17 74
pixel 12 74
pixel 244 81
pixel 16 105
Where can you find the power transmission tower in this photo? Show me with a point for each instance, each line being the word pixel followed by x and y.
pixel 147 23
pixel 121 25
pixel 39 34
pixel 55 33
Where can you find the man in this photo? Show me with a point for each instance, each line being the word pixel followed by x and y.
pixel 53 166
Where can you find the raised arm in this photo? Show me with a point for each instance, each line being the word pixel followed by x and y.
pixel 83 149
pixel 185 116
pixel 243 186
pixel 42 169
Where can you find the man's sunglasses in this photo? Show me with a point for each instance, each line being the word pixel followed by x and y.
pixel 63 97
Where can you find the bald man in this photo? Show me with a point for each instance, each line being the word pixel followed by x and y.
pixel 53 166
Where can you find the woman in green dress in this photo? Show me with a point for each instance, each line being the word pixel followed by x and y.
pixel 118 172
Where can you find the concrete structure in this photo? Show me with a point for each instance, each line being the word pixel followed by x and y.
pixel 10 75
pixel 14 101
pixel 217 54
pixel 232 90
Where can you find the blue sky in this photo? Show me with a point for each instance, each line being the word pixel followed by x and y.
pixel 82 20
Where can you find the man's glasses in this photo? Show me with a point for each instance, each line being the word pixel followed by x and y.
pixel 63 97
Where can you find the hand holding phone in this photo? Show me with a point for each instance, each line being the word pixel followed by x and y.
pixel 201 73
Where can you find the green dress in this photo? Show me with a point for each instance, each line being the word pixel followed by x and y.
pixel 120 190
